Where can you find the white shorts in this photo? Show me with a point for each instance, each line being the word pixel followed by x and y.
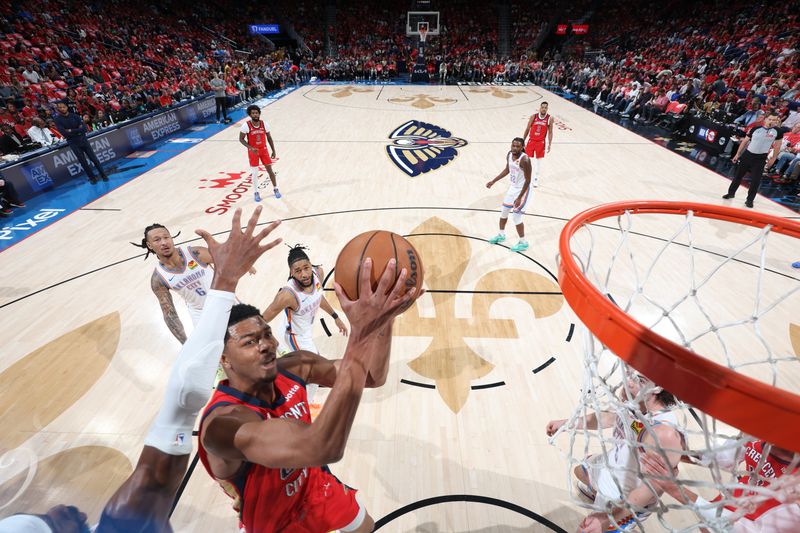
pixel 294 342
pixel 602 479
pixel 512 195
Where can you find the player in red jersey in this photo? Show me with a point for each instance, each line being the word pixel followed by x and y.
pixel 256 436
pixel 254 135
pixel 761 514
pixel 540 127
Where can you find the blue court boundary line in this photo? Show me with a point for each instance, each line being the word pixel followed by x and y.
pixel 78 194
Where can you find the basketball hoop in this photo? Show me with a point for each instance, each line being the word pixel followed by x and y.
pixel 745 403
pixel 659 301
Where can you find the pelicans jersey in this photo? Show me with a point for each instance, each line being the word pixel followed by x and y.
pixel 191 281
pixel 256 137
pixel 537 135
pixel 517 183
pixel 300 323
pixel 282 499
pixel 770 468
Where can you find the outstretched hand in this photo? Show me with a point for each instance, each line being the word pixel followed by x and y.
pixel 594 523
pixel 236 256
pixel 375 308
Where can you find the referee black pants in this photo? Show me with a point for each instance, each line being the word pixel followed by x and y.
pixel 754 164
pixel 83 150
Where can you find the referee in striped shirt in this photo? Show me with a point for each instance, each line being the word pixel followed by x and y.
pixel 752 156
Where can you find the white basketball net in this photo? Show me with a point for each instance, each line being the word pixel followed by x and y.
pixel 733 308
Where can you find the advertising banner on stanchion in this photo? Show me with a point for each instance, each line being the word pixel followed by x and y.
pixel 35 173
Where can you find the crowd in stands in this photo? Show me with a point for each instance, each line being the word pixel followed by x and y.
pixel 732 63
pixel 111 61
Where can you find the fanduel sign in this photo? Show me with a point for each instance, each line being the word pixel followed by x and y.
pixel 261 29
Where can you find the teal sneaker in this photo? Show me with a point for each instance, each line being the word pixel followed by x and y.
pixel 519 247
pixel 497 238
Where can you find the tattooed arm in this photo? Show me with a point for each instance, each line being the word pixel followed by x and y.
pixel 167 307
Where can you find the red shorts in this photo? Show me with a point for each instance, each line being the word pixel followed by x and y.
pixel 535 149
pixel 262 155
pixel 328 505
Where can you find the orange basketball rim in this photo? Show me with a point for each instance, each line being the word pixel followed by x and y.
pixel 752 406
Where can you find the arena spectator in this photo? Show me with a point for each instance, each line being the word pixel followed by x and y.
pixel 220 95
pixel 11 142
pixel 39 133
pixel 752 115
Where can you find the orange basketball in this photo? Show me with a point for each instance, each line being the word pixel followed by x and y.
pixel 381 246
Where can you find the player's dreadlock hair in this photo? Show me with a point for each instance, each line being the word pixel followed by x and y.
pixel 240 312
pixel 297 253
pixel 153 226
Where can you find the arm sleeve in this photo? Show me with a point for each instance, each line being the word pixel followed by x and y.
pixel 266 126
pixel 244 128
pixel 192 377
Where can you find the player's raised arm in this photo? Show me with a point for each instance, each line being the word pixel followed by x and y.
pixel 202 253
pixel 164 297
pixel 143 501
pixel 235 435
pixel 192 376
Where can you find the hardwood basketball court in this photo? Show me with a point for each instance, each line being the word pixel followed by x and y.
pixel 479 366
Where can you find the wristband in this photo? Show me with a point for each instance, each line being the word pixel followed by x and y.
pixel 334 315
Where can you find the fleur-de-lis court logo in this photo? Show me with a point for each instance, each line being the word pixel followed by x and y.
pixel 497 92
pixel 423 101
pixel 36 391
pixel 448 360
pixel 347 90
pixel 419 147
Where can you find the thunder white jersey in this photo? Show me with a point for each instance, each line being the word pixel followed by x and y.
pixel 515 173
pixel 192 281
pixel 622 459
pixel 300 323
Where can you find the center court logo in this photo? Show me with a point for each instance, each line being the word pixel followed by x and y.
pixel 449 360
pixel 418 147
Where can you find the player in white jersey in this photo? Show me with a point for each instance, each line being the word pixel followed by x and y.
pixel 601 477
pixel 518 168
pixel 298 301
pixel 184 269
